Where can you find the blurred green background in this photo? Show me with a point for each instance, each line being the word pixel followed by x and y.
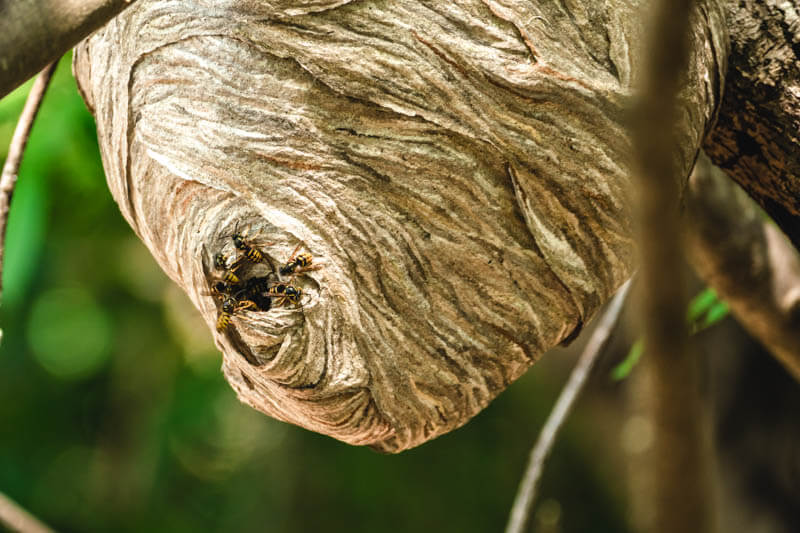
pixel 114 414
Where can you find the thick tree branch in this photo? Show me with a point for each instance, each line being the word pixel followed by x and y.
pixel 747 260
pixel 526 494
pixel 35 33
pixel 755 139
pixel 8 178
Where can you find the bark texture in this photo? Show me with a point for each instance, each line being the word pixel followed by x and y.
pixel 757 137
pixel 461 169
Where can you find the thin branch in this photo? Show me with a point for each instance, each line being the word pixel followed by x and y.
pixel 8 178
pixel 747 260
pixel 37 32
pixel 526 494
pixel 18 519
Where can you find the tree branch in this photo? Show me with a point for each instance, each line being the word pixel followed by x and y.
pixel 16 518
pixel 664 297
pixel 8 179
pixel 747 260
pixel 681 500
pixel 35 33
pixel 755 137
pixel 526 494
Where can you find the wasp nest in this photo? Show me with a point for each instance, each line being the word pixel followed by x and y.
pixel 457 170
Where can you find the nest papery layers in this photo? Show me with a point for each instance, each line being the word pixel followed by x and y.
pixel 461 178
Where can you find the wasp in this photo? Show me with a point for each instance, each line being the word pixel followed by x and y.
pixel 220 261
pixel 262 302
pixel 230 306
pixel 222 289
pixel 283 292
pixel 229 272
pixel 298 263
pixel 254 289
pixel 249 251
pixel 256 285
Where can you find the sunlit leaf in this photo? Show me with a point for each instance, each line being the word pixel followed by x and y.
pixel 701 303
pixel 623 369
pixel 715 314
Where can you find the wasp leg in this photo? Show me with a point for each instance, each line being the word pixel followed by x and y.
pixel 294 253
pixel 245 304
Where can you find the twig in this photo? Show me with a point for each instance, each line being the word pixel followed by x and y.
pixel 12 515
pixel 18 519
pixel 526 494
pixel 8 179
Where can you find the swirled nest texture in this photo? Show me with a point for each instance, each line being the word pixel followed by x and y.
pixel 457 169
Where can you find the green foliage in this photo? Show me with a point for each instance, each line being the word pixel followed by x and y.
pixel 624 368
pixel 711 311
pixel 69 333
pixel 114 415
pixel 705 310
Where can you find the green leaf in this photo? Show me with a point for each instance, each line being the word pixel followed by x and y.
pixel 715 314
pixel 623 369
pixel 701 303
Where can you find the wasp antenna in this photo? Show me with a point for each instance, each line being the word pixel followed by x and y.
pixel 235 230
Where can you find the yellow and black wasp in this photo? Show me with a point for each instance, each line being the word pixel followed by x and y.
pixel 248 249
pixel 228 271
pixel 222 289
pixel 283 292
pixel 298 263
pixel 230 306
pixel 237 297
pixel 254 289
